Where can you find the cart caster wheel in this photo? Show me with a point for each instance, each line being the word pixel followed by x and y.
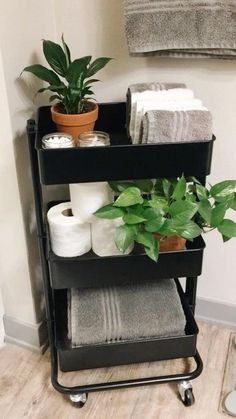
pixel 186 393
pixel 78 400
pixel 188 398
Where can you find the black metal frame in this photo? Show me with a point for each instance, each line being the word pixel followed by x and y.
pixel 190 291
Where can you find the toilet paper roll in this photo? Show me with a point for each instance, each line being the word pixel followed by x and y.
pixel 69 238
pixel 86 198
pixel 103 234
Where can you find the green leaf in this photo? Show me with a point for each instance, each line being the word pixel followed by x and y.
pixel 202 192
pixel 223 190
pixel 134 228
pixel 110 212
pixel 66 51
pixel 157 202
pixel 151 213
pixel 128 197
pixel 57 89
pixel 192 179
pixel 114 186
pixel 188 230
pixel 97 65
pixel 124 185
pixel 183 210
pixel 233 203
pixel 146 239
pixel 145 185
pixel 90 82
pixel 124 236
pixel 159 187
pixel 153 252
pixel 133 219
pixel 136 210
pixel 167 229
pixel 87 92
pixel 154 220
pixel 43 73
pixel 55 57
pixel 121 186
pixel 145 203
pixel 191 197
pixel 205 210
pixel 226 239
pixel 217 214
pixel 166 187
pixel 153 226
pixel 77 70
pixel 227 228
pixel 180 189
pixel 54 97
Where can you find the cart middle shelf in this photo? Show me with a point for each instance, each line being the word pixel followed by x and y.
pixel 90 270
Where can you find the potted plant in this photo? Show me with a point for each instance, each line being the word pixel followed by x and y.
pixel 160 213
pixel 70 83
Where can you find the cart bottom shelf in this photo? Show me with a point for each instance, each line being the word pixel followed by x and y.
pixel 126 352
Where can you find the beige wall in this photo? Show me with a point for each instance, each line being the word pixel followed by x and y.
pixel 22 26
pixel 93 27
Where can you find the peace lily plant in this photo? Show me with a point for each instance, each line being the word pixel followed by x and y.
pixel 70 82
pixel 178 206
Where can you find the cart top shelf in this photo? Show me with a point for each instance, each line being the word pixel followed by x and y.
pixel 122 160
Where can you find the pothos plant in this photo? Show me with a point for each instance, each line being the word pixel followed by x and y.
pixel 69 81
pixel 178 206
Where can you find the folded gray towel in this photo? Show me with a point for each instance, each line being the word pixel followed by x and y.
pixel 142 87
pixel 176 126
pixel 187 28
pixel 122 313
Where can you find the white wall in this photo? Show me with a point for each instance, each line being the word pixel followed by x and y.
pixel 94 27
pixel 22 26
pixel 97 27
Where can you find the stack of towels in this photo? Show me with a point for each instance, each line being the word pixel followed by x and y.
pixel 166 112
pixel 125 313
pixel 181 28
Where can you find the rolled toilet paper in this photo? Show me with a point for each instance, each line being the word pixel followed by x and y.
pixel 103 235
pixel 69 238
pixel 86 198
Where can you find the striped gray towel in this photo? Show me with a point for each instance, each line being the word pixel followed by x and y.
pixel 123 313
pixel 176 126
pixel 181 28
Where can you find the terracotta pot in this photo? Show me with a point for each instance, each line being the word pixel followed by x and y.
pixel 170 243
pixel 75 124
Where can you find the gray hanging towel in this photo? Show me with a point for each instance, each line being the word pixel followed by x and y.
pixel 123 313
pixel 176 126
pixel 181 28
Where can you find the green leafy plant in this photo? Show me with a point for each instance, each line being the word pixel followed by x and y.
pixel 70 81
pixel 178 206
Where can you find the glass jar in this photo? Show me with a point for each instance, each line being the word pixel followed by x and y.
pixel 58 140
pixel 94 139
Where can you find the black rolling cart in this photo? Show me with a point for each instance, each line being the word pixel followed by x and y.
pixel 120 161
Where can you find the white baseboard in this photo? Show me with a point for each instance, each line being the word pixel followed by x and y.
pixel 32 336
pixel 216 312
